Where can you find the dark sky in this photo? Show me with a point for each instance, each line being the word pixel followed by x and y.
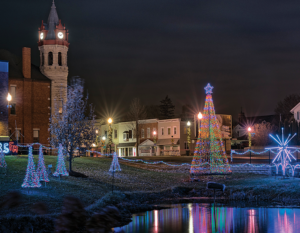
pixel 248 50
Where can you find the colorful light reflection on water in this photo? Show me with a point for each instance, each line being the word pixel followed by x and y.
pixel 204 218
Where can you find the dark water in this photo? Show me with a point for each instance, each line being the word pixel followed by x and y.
pixel 204 218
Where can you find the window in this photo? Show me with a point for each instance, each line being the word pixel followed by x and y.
pixel 13 109
pixel 125 136
pixel 130 134
pixel 184 130
pixel 175 130
pixel 238 133
pixel 36 135
pixel 50 58
pixel 162 131
pixel 186 146
pixel 13 93
pixel 105 133
pixel 142 133
pixel 169 131
pixel 115 133
pixel 59 59
pixel 43 59
pixel 148 132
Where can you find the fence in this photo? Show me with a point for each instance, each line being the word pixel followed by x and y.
pixel 257 156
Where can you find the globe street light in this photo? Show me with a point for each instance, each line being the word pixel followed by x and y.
pixel 249 137
pixel 188 138
pixel 154 141
pixel 8 100
pixel 199 125
pixel 109 133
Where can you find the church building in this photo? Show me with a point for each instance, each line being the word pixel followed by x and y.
pixel 36 91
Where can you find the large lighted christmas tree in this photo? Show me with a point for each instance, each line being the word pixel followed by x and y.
pixel 2 159
pixel 31 179
pixel 60 166
pixel 115 166
pixel 41 169
pixel 209 155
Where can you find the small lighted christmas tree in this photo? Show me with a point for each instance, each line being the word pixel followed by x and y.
pixel 115 166
pixel 41 169
pixel 31 179
pixel 2 159
pixel 209 156
pixel 60 166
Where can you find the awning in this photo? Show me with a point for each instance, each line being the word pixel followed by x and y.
pixel 164 142
pixel 129 144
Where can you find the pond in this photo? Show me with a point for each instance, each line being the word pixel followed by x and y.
pixel 205 218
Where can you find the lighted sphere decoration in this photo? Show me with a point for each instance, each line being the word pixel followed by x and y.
pixel 284 156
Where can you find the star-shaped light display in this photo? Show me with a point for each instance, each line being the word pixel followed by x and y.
pixel 208 89
pixel 284 154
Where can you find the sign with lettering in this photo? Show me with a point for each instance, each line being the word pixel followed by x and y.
pixel 9 148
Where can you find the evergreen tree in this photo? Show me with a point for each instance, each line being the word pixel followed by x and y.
pixel 2 159
pixel 41 169
pixel 115 166
pixel 209 156
pixel 166 108
pixel 60 166
pixel 31 179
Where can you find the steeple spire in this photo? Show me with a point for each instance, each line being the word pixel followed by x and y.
pixel 53 20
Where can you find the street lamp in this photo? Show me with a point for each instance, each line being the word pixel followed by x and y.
pixel 188 137
pixel 199 125
pixel 8 100
pixel 249 137
pixel 109 134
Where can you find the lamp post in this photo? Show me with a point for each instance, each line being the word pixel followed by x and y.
pixel 249 138
pixel 8 100
pixel 199 131
pixel 188 137
pixel 109 133
pixel 103 143
pixel 154 141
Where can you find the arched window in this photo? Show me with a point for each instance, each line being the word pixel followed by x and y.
pixel 59 59
pixel 50 58
pixel 43 59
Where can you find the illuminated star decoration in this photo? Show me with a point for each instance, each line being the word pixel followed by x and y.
pixel 283 155
pixel 208 89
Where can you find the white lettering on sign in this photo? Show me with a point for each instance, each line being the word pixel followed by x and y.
pixel 4 147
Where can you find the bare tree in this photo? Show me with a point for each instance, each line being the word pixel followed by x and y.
pixel 262 132
pixel 71 127
pixel 136 112
pixel 284 107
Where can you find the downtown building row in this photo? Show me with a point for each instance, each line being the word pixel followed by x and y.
pixel 168 137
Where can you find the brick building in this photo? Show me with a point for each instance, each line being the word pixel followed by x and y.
pixel 31 98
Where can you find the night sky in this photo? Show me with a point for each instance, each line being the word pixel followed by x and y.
pixel 248 50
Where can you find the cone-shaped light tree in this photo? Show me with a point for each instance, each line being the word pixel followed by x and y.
pixel 31 179
pixel 2 159
pixel 60 166
pixel 115 166
pixel 209 156
pixel 41 169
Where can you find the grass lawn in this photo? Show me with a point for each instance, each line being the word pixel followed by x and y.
pixel 134 177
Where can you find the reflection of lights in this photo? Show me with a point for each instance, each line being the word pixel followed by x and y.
pixel 155 220
pixel 191 225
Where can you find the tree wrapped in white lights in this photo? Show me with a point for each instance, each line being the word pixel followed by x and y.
pixel 284 155
pixel 72 125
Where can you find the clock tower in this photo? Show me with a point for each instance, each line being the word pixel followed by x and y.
pixel 53 45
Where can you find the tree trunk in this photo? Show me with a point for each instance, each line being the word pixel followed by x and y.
pixel 70 159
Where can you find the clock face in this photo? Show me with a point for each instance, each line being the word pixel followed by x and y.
pixel 42 36
pixel 60 35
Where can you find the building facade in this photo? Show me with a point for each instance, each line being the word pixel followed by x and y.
pixel 148 137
